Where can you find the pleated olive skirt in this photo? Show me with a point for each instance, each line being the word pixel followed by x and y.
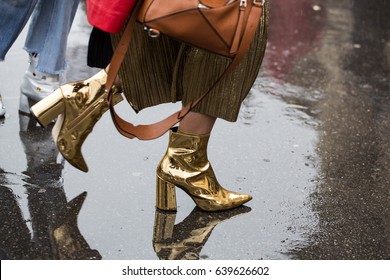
pixel 161 70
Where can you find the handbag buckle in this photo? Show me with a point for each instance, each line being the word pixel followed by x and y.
pixel 256 1
pixel 152 33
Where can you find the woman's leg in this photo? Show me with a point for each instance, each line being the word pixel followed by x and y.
pixel 197 123
pixel 48 33
pixel 46 44
pixel 14 16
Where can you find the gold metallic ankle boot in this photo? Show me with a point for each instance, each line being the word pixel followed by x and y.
pixel 79 106
pixel 186 166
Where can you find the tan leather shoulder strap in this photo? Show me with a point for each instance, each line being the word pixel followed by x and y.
pixel 155 130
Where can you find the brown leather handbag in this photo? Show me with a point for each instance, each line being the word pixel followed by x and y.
pixel 224 27
pixel 214 25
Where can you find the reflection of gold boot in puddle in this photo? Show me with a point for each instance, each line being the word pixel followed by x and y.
pixel 55 234
pixel 67 239
pixel 185 240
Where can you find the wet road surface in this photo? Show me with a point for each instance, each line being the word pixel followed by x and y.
pixel 311 146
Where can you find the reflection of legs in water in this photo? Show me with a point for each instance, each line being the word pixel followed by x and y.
pixel 186 239
pixel 15 238
pixel 67 238
pixel 56 237
pixel 41 153
pixel 43 182
pixel 53 219
pixel 54 222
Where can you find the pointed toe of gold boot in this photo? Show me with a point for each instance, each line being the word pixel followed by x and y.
pixel 221 200
pixel 236 199
pixel 242 199
pixel 70 145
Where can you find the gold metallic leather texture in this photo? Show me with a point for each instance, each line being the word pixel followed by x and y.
pixel 79 106
pixel 185 165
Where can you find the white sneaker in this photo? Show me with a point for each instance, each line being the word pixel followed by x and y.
pixel 2 107
pixel 36 85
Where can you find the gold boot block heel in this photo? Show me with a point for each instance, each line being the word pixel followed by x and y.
pixel 165 195
pixel 49 108
pixel 186 165
pixel 80 106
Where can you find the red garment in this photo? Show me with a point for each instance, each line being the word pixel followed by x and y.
pixel 109 15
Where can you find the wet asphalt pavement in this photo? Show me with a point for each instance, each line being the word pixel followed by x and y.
pixel 311 146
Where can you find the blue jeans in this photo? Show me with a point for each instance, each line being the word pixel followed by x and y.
pixel 48 31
